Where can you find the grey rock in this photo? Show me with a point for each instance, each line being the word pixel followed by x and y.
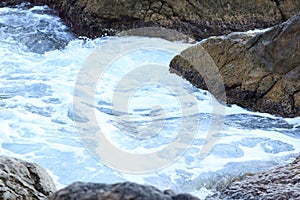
pixel 280 183
pixel 118 191
pixel 23 180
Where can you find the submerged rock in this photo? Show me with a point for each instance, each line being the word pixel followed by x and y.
pixel 198 19
pixel 23 180
pixel 118 191
pixel 280 183
pixel 258 71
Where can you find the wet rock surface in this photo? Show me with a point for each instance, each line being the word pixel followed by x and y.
pixel 279 183
pixel 259 71
pixel 198 19
pixel 123 191
pixel 23 180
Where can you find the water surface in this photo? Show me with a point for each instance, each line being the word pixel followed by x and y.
pixel 40 61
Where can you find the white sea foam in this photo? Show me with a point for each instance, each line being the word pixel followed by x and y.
pixel 37 115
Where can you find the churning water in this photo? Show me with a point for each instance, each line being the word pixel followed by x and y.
pixel 39 68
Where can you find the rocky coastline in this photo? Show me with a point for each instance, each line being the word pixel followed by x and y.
pixel 23 180
pixel 257 71
pixel 197 19
pixel 271 82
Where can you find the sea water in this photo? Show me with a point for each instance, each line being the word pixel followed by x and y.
pixel 40 68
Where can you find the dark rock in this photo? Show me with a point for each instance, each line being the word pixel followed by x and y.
pixel 280 183
pixel 260 72
pixel 23 180
pixel 10 3
pixel 198 19
pixel 119 191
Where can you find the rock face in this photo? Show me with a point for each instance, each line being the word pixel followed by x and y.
pixel 119 191
pixel 23 180
pixel 259 71
pixel 10 3
pixel 280 183
pixel 198 19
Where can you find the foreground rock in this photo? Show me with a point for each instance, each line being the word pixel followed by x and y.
pixel 119 191
pixel 198 19
pixel 280 183
pixel 23 180
pixel 260 72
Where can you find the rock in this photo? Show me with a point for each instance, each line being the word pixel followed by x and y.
pixel 198 19
pixel 259 71
pixel 280 183
pixel 23 180
pixel 118 191
pixel 9 3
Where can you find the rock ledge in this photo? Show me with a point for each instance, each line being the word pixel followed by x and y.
pixel 259 71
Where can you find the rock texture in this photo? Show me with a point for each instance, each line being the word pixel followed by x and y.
pixel 259 71
pixel 119 191
pixel 198 19
pixel 10 3
pixel 280 183
pixel 23 180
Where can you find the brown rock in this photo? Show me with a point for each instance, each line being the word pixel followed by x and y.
pixel 260 72
pixel 287 8
pixel 23 180
pixel 198 19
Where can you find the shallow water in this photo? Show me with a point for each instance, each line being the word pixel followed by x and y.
pixel 40 65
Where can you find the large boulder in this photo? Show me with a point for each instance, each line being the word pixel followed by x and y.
pixel 23 180
pixel 118 191
pixel 280 183
pixel 259 71
pixel 198 19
